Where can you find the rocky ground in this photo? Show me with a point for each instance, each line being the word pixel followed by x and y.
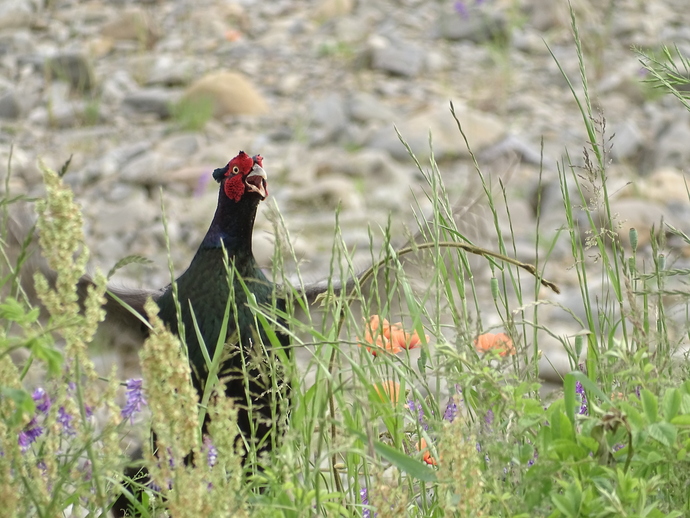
pixel 149 97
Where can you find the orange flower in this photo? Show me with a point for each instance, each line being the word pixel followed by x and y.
pixel 390 388
pixel 426 456
pixel 233 35
pixel 500 343
pixel 390 337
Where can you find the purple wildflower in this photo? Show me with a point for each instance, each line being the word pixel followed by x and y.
pixel 135 399
pixel 201 184
pixel 29 434
pixel 451 410
pixel 417 407
pixel 617 447
pixel 489 417
pixel 211 451
pixel 42 400
pixel 65 419
pixel 531 462
pixel 87 470
pixel 461 8
pixel 364 497
pixel 579 389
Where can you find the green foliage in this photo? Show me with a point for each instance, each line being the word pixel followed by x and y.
pixel 613 443
pixel 192 114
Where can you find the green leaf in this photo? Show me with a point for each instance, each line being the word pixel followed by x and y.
pixel 685 387
pixel 654 457
pixel 414 468
pixel 685 404
pixel 650 405
pixel 663 432
pixel 23 401
pixel 44 350
pixel 570 502
pixel 569 397
pixel 567 449
pixel 681 420
pixel 634 416
pixel 672 401
pixel 11 309
pixel 560 425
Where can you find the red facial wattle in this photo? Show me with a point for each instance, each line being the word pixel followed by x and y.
pixel 245 174
pixel 234 187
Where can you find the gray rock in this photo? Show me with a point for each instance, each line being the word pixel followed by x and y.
pixel 630 213
pixel 131 24
pixel 62 115
pixel 329 192
pixel 365 107
pixel 151 100
pixel 74 68
pixel 482 130
pixel 627 141
pixel 672 144
pixel 397 57
pixel 150 168
pixel 15 13
pixel 476 25
pixel 515 145
pixel 327 9
pixel 9 105
pixel 185 144
pixel 328 118
pixel 436 62
pixel 111 163
pixel 112 247
pixel 666 185
pixel 116 86
pixel 169 70
pixel 123 218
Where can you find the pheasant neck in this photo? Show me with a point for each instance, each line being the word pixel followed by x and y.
pixel 232 225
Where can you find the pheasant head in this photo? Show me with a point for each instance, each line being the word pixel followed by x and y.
pixel 243 176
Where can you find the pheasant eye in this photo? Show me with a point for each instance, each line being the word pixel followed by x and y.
pixel 235 169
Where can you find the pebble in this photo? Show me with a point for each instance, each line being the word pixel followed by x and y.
pixel 666 185
pixel 9 105
pixel 151 100
pixel 149 168
pixel 482 130
pixel 628 141
pixel 73 67
pixel 132 24
pixel 15 13
pixel 327 9
pixel 396 56
pixel 328 119
pixel 365 107
pixel 472 24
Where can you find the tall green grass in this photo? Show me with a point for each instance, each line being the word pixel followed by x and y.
pixel 613 442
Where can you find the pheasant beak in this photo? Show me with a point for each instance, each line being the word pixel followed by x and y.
pixel 256 181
